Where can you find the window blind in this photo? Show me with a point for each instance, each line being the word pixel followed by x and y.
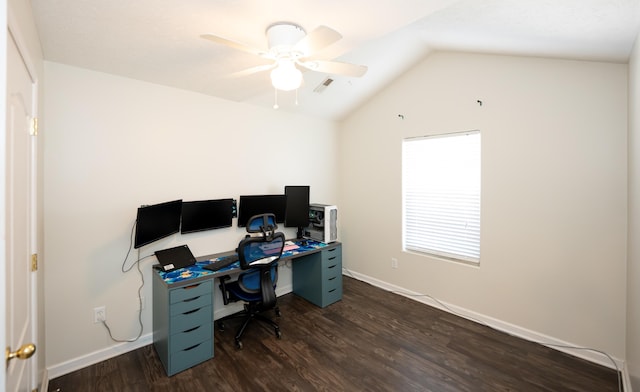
pixel 441 195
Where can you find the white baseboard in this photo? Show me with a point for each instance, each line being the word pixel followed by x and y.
pixel 626 379
pixel 98 356
pixel 556 344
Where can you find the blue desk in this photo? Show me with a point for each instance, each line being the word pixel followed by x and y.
pixel 183 323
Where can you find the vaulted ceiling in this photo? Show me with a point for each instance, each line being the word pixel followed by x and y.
pixel 159 41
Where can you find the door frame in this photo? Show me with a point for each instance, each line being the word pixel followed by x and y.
pixel 13 31
pixel 4 36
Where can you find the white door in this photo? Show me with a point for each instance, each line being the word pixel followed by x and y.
pixel 20 218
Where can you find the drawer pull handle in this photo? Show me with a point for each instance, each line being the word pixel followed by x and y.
pixel 192 329
pixel 332 278
pixel 332 258
pixel 192 347
pixel 192 311
pixel 333 266
pixel 191 299
pixel 332 290
pixel 191 287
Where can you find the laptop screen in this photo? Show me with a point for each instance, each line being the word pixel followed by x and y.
pixel 174 258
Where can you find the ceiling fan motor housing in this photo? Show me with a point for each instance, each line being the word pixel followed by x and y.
pixel 282 38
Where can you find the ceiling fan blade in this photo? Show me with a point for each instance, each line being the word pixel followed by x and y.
pixel 233 44
pixel 316 40
pixel 252 70
pixel 334 67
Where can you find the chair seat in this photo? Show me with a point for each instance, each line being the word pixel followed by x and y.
pixel 247 287
pixel 236 294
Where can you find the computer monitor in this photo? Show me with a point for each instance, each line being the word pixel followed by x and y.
pixel 206 215
pixel 251 205
pixel 297 212
pixel 157 221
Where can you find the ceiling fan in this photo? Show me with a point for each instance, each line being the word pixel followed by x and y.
pixel 291 48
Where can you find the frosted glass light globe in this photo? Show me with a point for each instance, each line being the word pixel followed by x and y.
pixel 286 76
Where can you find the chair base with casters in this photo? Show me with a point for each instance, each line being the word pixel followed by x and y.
pixel 253 310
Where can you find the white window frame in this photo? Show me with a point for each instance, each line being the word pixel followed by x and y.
pixel 441 195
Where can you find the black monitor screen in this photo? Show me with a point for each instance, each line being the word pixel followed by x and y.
pixel 206 215
pixel 261 204
pixel 157 221
pixel 297 213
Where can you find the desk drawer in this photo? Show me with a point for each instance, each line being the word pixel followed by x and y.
pixel 191 337
pixel 191 319
pixel 330 252
pixel 190 356
pixel 332 271
pixel 332 295
pixel 332 283
pixel 190 304
pixel 190 292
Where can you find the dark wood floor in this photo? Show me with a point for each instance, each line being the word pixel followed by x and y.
pixel 372 340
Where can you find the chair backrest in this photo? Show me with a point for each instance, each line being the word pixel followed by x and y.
pixel 263 223
pixel 260 251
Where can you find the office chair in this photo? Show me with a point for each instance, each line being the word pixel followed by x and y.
pixel 256 287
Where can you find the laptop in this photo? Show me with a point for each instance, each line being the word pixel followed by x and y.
pixel 175 258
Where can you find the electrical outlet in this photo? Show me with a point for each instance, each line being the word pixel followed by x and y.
pixel 394 262
pixel 99 314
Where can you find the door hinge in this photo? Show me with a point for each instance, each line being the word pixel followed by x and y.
pixel 33 129
pixel 34 262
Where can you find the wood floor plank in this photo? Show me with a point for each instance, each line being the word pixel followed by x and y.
pixel 372 340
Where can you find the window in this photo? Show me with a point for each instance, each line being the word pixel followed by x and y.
pixel 441 195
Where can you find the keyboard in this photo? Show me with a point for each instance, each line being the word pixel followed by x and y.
pixel 220 264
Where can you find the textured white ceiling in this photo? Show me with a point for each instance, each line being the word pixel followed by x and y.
pixel 159 40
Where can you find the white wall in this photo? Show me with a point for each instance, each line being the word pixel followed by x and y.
pixel 554 194
pixel 633 273
pixel 113 144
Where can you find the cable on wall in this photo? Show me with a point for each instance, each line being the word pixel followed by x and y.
pixel 125 270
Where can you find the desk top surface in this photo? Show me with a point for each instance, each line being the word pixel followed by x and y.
pixel 193 273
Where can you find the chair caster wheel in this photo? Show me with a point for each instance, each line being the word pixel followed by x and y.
pixel 221 326
pixel 238 344
pixel 278 312
pixel 278 334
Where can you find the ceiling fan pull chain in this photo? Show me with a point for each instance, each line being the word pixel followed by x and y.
pixel 275 98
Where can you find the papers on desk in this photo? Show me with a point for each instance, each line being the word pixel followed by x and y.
pixel 289 245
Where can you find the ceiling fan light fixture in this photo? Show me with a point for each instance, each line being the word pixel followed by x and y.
pixel 286 77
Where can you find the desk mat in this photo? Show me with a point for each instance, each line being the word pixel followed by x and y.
pixel 196 271
pixel 311 245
